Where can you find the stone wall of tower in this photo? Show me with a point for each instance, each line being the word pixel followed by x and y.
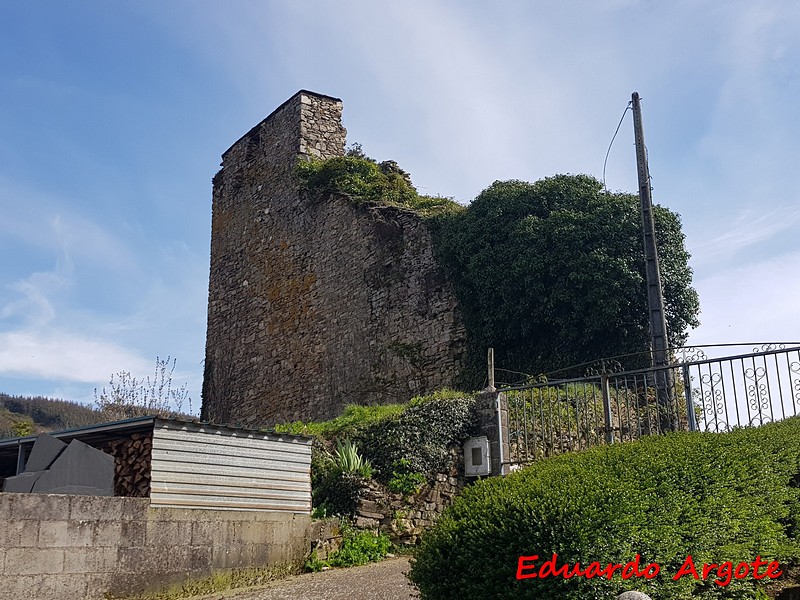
pixel 314 304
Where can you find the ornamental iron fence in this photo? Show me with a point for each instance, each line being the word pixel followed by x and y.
pixel 609 404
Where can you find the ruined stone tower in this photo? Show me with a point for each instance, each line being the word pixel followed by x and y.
pixel 314 304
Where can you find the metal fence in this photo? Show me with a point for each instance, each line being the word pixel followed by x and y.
pixel 695 393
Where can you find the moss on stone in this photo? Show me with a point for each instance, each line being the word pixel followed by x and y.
pixel 220 581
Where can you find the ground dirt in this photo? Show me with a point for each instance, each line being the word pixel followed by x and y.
pixel 385 580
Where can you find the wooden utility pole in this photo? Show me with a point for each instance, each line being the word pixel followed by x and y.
pixel 655 295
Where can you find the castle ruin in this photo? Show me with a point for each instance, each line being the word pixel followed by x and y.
pixel 317 303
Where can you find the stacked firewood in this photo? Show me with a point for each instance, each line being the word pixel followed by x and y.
pixel 132 465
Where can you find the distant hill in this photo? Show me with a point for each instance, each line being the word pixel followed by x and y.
pixel 45 414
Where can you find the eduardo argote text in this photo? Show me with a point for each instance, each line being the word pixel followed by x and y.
pixel 529 567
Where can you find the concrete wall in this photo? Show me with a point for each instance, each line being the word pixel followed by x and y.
pixel 314 304
pixel 54 547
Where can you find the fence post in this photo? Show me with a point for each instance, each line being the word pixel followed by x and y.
pixel 687 392
pixel 606 391
pixel 492 410
pixel 490 361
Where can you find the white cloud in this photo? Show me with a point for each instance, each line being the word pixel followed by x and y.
pixel 741 231
pixel 33 304
pixel 65 356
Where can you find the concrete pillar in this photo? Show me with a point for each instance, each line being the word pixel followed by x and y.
pixel 486 406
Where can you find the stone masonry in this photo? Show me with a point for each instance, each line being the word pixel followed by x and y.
pixel 314 304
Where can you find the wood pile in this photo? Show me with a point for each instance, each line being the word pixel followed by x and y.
pixel 132 465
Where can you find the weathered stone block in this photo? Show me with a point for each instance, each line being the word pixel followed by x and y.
pixel 140 559
pixel 54 507
pixel 90 560
pixel 53 534
pixel 167 533
pixel 80 534
pixel 204 533
pixel 198 558
pixel 95 508
pixel 65 586
pixel 25 561
pixel 253 532
pixel 107 533
pixel 22 586
pixel 19 534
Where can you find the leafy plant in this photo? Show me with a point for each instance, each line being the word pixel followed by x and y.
pixel 404 481
pixel 348 460
pixel 718 497
pixel 313 563
pixel 22 428
pixel 337 479
pixel 359 548
pixel 363 179
pixel 354 417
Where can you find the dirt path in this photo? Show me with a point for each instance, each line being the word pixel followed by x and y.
pixel 378 581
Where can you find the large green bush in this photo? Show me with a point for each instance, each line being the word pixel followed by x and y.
pixel 717 497
pixel 552 274
pixel 418 439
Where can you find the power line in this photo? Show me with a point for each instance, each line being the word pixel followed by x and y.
pixel 605 162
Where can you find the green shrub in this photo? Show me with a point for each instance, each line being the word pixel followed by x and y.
pixel 421 435
pixel 360 548
pixel 364 180
pixel 348 460
pixel 403 480
pixel 715 496
pixel 400 444
pixel 314 564
pixel 552 274
pixel 331 492
pixel 338 494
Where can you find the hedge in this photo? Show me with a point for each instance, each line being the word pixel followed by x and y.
pixel 719 497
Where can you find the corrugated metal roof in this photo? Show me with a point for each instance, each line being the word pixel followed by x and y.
pixel 127 426
pixel 204 466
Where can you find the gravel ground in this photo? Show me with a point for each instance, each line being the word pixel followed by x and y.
pixel 385 580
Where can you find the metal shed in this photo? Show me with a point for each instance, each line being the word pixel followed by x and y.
pixel 194 464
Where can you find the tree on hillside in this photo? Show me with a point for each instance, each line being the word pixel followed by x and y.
pixel 50 413
pixel 552 274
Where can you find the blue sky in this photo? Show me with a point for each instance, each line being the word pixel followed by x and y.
pixel 113 117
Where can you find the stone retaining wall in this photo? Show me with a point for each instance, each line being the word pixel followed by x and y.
pixel 54 547
pixel 405 518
